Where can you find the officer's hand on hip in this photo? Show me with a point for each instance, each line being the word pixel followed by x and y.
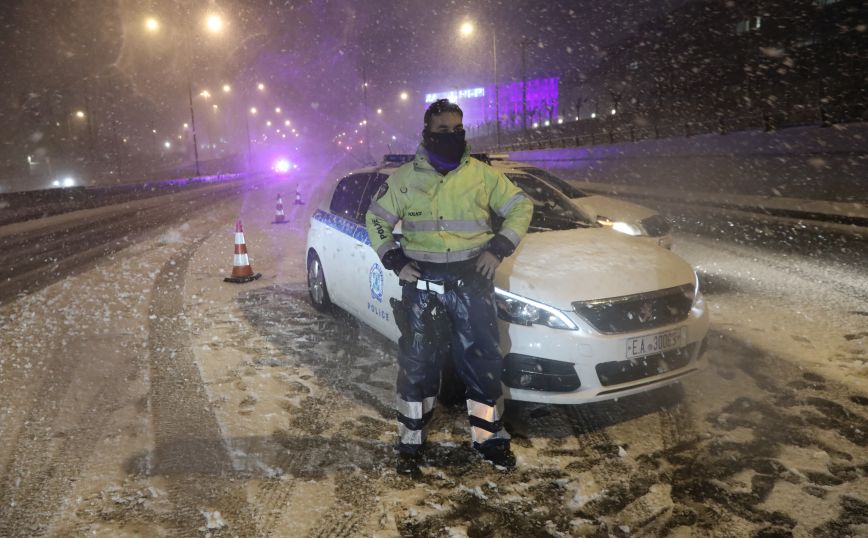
pixel 409 273
pixel 486 264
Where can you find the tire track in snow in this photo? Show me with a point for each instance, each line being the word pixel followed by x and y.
pixel 190 450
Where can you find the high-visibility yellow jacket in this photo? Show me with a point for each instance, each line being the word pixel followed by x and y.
pixel 446 218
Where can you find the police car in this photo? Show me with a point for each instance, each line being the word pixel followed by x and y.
pixel 585 314
pixel 620 216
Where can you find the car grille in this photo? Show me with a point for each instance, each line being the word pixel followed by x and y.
pixel 656 225
pixel 617 372
pixel 637 312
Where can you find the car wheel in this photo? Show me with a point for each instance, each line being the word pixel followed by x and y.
pixel 316 284
pixel 452 390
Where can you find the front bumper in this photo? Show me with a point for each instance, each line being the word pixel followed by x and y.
pixel 586 366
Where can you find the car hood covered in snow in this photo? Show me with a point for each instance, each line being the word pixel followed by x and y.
pixel 560 267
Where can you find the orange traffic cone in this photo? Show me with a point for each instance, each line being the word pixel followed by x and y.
pixel 298 197
pixel 279 215
pixel 241 270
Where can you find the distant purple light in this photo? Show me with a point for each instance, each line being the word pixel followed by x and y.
pixel 479 107
pixel 282 166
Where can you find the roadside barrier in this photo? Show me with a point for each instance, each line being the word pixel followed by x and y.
pixel 241 270
pixel 279 215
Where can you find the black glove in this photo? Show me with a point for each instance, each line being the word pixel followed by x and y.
pixel 500 246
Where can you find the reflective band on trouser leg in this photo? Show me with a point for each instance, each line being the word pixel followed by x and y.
pixel 240 260
pixel 413 418
pixel 486 421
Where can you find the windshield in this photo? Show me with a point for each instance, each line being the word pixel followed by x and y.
pixel 551 209
pixel 555 181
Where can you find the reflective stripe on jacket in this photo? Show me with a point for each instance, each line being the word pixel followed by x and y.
pixel 445 218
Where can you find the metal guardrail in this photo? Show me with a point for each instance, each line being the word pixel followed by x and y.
pixel 593 132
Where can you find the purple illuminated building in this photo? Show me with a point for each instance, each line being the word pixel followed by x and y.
pixel 479 110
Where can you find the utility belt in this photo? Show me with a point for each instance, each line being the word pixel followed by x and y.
pixel 439 286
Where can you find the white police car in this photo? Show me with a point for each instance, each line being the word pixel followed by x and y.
pixel 624 217
pixel 586 314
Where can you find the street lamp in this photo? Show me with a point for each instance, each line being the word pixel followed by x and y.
pixel 152 24
pixel 404 96
pixel 214 23
pixel 467 30
pixel 260 87
pixel 253 110
pixel 79 114
pixel 227 88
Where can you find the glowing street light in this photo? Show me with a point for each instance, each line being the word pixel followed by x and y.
pixel 186 125
pixel 214 106
pixel 79 114
pixel 277 110
pixel 268 123
pixel 152 24
pixel 286 123
pixel 404 96
pixel 214 23
pixel 227 88
pixel 379 111
pixel 253 110
pixel 205 93
pixel 260 87
pixel 466 28
pixel 167 144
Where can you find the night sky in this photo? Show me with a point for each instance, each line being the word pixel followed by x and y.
pixel 310 55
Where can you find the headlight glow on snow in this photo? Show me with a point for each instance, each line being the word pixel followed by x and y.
pixel 523 311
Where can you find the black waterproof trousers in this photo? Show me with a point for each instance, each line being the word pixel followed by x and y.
pixel 469 305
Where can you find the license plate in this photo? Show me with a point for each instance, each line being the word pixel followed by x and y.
pixel 655 343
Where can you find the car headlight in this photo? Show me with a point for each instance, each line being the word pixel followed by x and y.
pixel 523 311
pixel 627 228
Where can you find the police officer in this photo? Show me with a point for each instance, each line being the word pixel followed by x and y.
pixel 446 262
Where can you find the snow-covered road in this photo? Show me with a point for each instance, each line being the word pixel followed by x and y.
pixel 141 395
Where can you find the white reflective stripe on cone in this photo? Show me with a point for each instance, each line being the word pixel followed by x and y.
pixel 487 413
pixel 481 435
pixel 410 437
pixel 239 238
pixel 240 260
pixel 415 410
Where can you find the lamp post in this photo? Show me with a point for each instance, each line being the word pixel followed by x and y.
pixel 193 126
pixel 214 24
pixel 467 29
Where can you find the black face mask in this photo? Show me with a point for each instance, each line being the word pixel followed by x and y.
pixel 447 146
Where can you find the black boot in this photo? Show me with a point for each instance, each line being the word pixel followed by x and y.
pixel 498 454
pixel 408 464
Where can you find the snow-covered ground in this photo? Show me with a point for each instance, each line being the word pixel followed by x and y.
pixel 145 396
